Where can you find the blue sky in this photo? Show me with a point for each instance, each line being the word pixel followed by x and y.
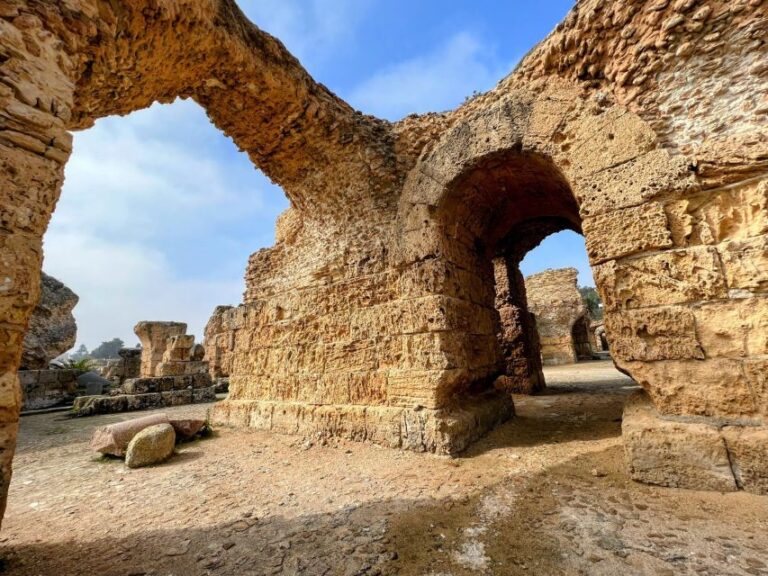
pixel 160 212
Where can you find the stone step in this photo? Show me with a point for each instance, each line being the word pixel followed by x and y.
pixel 166 383
pixel 92 405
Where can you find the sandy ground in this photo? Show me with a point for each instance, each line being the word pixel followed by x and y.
pixel 545 494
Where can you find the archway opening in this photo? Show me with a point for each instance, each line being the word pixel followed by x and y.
pixel 501 209
pixel 158 217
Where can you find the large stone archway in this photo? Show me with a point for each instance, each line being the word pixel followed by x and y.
pixel 642 124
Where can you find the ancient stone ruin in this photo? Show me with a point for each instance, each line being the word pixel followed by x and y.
pixel 640 124
pixel 52 328
pixel 220 337
pixel 52 331
pixel 172 372
pixel 562 319
pixel 600 337
pixel 128 365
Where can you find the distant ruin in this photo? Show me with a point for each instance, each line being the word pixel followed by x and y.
pixel 171 372
pixel 562 319
pixel 640 124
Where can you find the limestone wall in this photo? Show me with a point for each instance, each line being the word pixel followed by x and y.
pixel 638 123
pixel 127 366
pixel 220 337
pixel 555 301
pixel 47 388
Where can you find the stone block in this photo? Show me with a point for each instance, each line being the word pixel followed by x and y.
pixel 446 431
pixel 746 264
pixel 625 232
pixel 46 388
pixel 48 377
pixel 152 445
pixel 667 333
pixel 747 449
pixel 733 328
pixel 673 453
pixel 715 388
pixel 633 183
pixel 732 213
pixel 672 277
pixel 756 373
pixel 28 378
pixel 90 405
pixel 604 141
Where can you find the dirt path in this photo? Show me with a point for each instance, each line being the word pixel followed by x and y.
pixel 544 494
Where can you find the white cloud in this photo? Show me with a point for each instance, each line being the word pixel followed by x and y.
pixel 437 81
pixel 126 171
pixel 122 283
pixel 157 218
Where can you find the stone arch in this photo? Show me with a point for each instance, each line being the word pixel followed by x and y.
pixel 535 160
pixel 64 65
pixel 251 87
pixel 660 281
pixel 493 187
pixel 601 339
pixel 581 338
pixel 380 325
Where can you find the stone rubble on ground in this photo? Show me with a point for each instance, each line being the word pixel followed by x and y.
pixel 173 372
pixel 152 445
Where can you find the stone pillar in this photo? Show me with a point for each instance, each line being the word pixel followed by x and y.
pixel 35 104
pixel 131 359
pixel 517 336
pixel 154 341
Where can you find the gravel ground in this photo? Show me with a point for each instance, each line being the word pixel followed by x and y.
pixel 545 494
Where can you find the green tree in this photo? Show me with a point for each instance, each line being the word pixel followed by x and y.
pixel 592 301
pixel 108 349
pixel 80 353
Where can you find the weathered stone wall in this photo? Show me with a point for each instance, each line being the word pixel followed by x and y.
pixel 52 328
pixel 220 336
pixel 555 301
pixel 638 123
pixel 47 388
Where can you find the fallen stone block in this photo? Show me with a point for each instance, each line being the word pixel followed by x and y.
pixel 152 445
pixel 114 439
pixel 91 405
pixel 187 429
pixel 670 452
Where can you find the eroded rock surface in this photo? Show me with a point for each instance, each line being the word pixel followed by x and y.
pixel 52 328
pixel 151 445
